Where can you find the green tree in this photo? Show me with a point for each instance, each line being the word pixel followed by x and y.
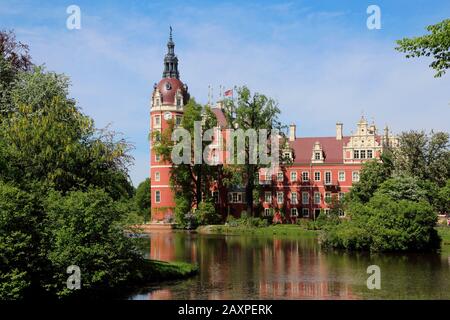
pixel 386 224
pixel 191 182
pixel 251 111
pixel 23 261
pixel 373 173
pixel 68 151
pixel 436 44
pixel 85 230
pixel 143 198
pixel 206 213
pixel 444 198
pixel 424 156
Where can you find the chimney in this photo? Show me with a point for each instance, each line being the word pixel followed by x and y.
pixel 292 132
pixel 339 131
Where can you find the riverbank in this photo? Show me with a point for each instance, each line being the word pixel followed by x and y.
pixel 279 229
pixel 161 270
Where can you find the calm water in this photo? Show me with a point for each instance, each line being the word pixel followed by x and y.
pixel 280 267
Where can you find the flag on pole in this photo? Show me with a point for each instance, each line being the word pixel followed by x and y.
pixel 228 93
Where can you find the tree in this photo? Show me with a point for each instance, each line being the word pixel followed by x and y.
pixel 251 112
pixel 373 173
pixel 23 261
pixel 191 182
pixel 444 198
pixel 143 198
pixel 424 156
pixel 14 59
pixel 385 224
pixel 85 230
pixel 436 44
pixel 68 151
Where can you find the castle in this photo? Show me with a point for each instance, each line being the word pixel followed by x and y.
pixel 321 167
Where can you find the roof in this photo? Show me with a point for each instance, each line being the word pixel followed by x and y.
pixel 220 116
pixel 168 88
pixel 332 149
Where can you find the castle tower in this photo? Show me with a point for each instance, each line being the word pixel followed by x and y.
pixel 169 97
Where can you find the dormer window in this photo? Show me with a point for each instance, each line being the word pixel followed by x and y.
pixel 178 102
pixel 317 153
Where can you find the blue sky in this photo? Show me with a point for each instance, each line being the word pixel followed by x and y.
pixel 316 58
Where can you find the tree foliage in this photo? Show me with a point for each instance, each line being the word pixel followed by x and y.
pixel 64 188
pixel 143 198
pixel 251 111
pixel 436 44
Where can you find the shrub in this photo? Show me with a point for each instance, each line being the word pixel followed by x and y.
pixel 206 214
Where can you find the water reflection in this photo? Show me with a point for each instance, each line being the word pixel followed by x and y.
pixel 252 267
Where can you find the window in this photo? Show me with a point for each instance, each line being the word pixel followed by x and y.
pixel 157 121
pixel 293 176
pixel 316 213
pixel 362 154
pixel 157 176
pixel 157 196
pixel 257 178
pixel 341 176
pixel 341 213
pixel 178 120
pixel 355 176
pixel 215 196
pixel 316 155
pixel 157 136
pixel 340 196
pixel 316 197
pixel 280 176
pixel 317 176
pixel 356 154
pixel 327 211
pixel 305 176
pixel 157 157
pixel 305 212
pixel 280 196
pixel 369 154
pixel 305 197
pixel 294 197
pixel 235 197
pixel 268 197
pixel 328 177
pixel 294 212
pixel 287 156
pixel 157 102
pixel 327 197
pixel 266 212
pixel 178 102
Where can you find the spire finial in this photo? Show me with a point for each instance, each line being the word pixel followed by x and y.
pixel 170 33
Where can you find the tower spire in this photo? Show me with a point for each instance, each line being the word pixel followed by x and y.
pixel 170 59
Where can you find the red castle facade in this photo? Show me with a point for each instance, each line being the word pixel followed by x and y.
pixel 321 167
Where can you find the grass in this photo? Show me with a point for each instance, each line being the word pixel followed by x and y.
pixel 156 270
pixel 279 229
pixel 444 232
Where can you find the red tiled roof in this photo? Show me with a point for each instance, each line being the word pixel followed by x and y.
pixel 168 92
pixel 332 149
pixel 222 121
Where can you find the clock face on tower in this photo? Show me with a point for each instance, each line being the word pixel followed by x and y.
pixel 167 116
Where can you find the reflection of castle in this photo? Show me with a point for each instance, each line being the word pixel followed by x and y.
pixel 237 268
pixel 321 167
pixel 161 246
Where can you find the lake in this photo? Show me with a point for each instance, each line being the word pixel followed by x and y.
pixel 289 267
